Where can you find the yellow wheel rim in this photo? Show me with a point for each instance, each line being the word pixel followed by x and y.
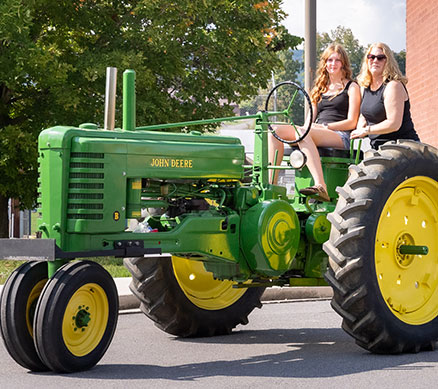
pixel 85 319
pixel 31 304
pixel 409 283
pixel 201 288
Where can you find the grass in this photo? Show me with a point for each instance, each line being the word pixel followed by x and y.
pixel 114 266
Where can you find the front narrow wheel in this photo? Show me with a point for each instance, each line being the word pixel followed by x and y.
pixel 76 317
pixel 17 303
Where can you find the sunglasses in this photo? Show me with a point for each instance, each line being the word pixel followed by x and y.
pixel 379 57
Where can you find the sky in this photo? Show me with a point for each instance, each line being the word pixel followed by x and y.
pixel 369 20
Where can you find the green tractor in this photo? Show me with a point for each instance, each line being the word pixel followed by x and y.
pixel 216 232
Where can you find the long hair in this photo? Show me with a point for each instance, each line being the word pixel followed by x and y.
pixel 322 76
pixel 391 71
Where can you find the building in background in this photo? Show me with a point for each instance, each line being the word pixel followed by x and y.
pixel 422 66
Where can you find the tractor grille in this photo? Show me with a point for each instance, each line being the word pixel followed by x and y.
pixel 39 190
pixel 86 186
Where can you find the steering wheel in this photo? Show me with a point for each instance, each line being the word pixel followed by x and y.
pixel 291 97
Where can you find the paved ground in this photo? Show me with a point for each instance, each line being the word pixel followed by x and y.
pixel 285 345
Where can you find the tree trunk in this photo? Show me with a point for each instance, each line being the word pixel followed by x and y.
pixel 4 221
pixel 15 204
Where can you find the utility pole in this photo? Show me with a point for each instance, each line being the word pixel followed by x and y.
pixel 309 44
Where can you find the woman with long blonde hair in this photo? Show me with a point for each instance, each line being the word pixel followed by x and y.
pixel 335 101
pixel 385 108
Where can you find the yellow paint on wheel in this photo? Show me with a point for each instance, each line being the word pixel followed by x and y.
pixel 409 283
pixel 31 303
pixel 85 319
pixel 201 288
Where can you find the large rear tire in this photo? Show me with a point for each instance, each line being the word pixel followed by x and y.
pixel 388 300
pixel 183 299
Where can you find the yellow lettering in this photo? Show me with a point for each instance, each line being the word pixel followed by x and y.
pixel 161 162
pixel 175 163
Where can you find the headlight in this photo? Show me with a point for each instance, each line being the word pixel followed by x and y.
pixel 297 159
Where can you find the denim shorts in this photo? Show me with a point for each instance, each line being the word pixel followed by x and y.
pixel 345 136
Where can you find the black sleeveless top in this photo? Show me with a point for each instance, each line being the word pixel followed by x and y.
pixel 333 109
pixel 373 110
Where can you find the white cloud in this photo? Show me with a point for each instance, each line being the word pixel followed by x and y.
pixel 370 20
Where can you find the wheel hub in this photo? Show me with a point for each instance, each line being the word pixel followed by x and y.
pixel 404 260
pixel 85 319
pixel 82 318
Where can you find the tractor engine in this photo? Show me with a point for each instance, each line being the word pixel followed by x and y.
pixel 189 187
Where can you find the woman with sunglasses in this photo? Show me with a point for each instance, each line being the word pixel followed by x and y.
pixel 335 101
pixel 385 108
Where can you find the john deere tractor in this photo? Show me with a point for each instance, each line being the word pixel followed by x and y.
pixel 204 231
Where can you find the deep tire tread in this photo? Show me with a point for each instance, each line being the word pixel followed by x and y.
pixel 357 298
pixel 164 302
pixel 17 339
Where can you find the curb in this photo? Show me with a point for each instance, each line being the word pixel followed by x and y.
pixel 128 301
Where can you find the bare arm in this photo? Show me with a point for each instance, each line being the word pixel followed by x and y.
pixel 362 122
pixel 394 99
pixel 314 112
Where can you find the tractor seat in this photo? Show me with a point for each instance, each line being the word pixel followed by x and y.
pixel 324 152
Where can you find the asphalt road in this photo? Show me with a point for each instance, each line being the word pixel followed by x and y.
pixel 293 345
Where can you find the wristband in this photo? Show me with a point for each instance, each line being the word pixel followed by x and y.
pixel 368 129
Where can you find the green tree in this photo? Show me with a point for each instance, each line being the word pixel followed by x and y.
pixel 291 70
pixel 345 37
pixel 189 56
pixel 401 60
pixel 355 51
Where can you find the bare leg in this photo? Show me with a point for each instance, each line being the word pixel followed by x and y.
pixel 309 148
pixel 275 146
pixel 322 138
pixel 317 137
pixel 285 132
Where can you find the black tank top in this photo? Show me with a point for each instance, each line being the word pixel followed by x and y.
pixel 333 109
pixel 373 110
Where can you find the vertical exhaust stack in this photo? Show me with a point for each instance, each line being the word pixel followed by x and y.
pixel 110 98
pixel 129 100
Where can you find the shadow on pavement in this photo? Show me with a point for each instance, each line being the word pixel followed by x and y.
pixel 319 353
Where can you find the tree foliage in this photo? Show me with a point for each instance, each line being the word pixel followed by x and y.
pixel 355 50
pixel 190 56
pixel 291 70
pixel 345 37
pixel 401 60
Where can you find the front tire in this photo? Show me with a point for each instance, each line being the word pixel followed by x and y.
pixel 388 300
pixel 76 317
pixel 17 303
pixel 183 299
